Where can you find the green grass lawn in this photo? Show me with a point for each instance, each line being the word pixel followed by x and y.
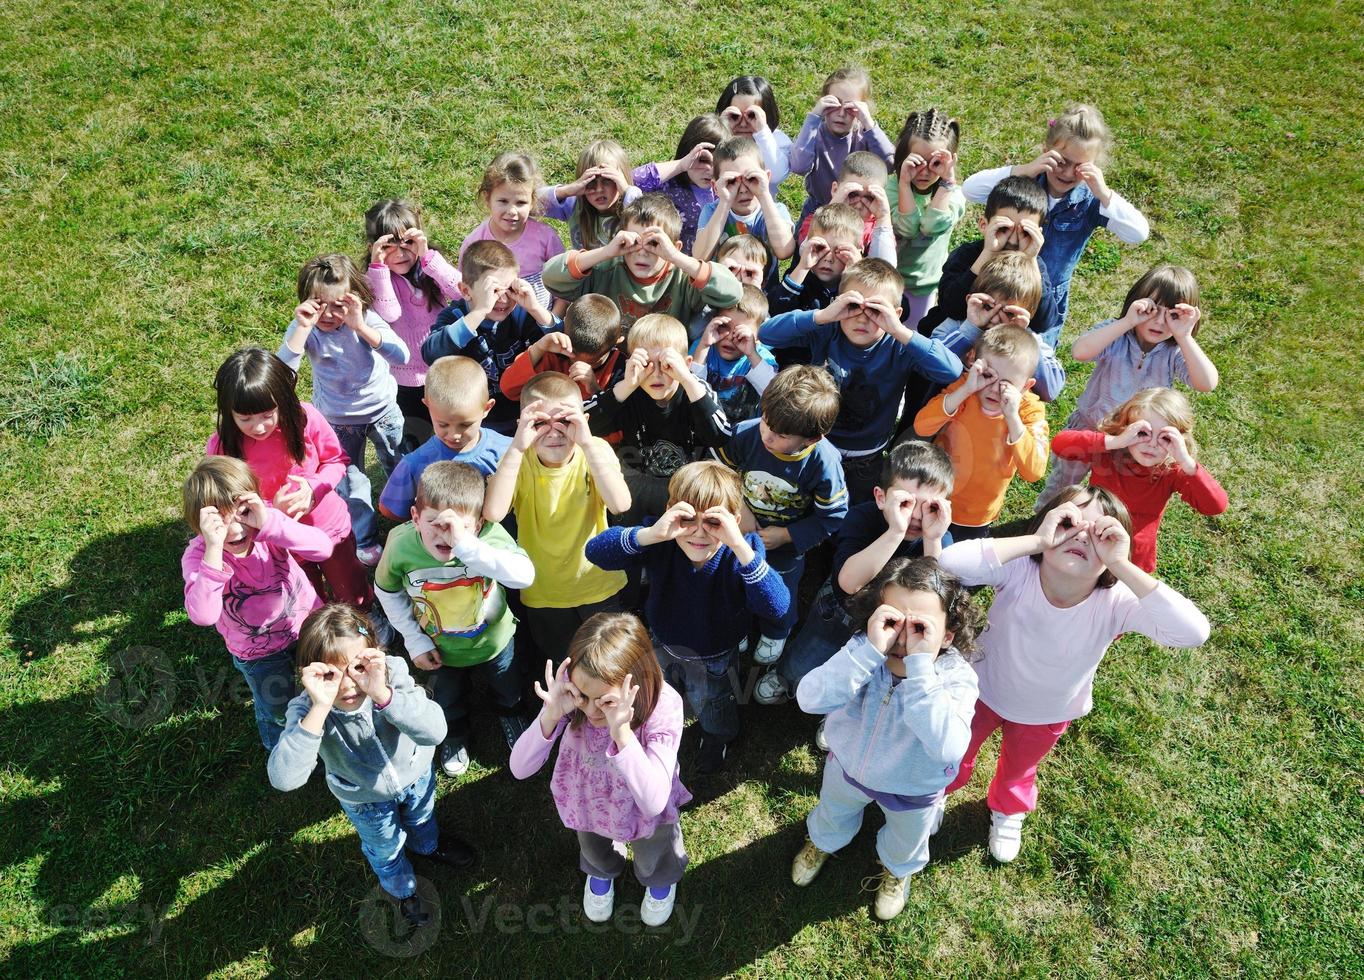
pixel 165 169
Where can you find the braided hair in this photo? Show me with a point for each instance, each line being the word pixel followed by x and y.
pixel 932 126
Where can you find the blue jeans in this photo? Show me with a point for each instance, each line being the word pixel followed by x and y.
pixel 825 631
pixel 708 687
pixel 386 433
pixel 450 689
pixel 384 830
pixel 271 680
pixel 790 566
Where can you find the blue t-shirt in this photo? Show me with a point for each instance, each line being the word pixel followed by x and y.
pixel 729 379
pixel 400 492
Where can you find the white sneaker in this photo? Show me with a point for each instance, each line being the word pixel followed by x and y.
pixel 939 809
pixel 768 650
pixel 598 908
pixel 656 911
pixel 891 893
pixel 771 689
pixel 743 645
pixel 369 556
pixel 1006 835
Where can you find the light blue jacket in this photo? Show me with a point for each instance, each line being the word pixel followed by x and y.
pixel 906 738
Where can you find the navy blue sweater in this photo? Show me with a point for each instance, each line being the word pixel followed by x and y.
pixel 700 613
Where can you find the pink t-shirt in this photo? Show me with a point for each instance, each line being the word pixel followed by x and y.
pixel 324 464
pixel 537 245
pixel 622 796
pixel 405 309
pixel 1037 661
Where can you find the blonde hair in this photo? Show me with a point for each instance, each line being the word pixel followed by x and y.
pixel 1081 124
pixel 610 646
pixel 1011 278
pixel 873 275
pixel 748 247
pixel 216 481
pixel 551 385
pixel 752 304
pixel 333 270
pixel 318 636
pixel 655 330
pixel 705 485
pixel 455 382
pixel 1015 344
pixel 511 168
pixel 599 153
pixel 1165 402
pixel 853 76
pixel 448 485
pixel 837 219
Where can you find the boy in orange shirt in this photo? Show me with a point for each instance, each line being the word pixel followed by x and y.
pixel 587 349
pixel 991 425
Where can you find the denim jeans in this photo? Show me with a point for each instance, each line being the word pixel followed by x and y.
pixel 708 687
pixel 271 680
pixel 384 830
pixel 790 566
pixel 386 432
pixel 825 631
pixel 450 689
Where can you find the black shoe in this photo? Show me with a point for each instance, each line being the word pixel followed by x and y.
pixel 513 726
pixel 454 758
pixel 453 852
pixel 414 913
pixel 710 755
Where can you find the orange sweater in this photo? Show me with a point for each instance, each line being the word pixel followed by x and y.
pixel 983 462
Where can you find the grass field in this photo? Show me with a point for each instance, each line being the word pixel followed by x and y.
pixel 164 170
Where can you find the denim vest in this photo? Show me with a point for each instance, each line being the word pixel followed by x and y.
pixel 1066 232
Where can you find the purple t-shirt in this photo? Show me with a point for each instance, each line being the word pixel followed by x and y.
pixel 537 245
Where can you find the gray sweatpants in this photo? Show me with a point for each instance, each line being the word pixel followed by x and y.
pixel 659 858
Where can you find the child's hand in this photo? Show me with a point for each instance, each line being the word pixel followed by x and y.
pixel 557 342
pixel 885 629
pixel 880 204
pixel 296 500
pixel 620 709
pixel 483 296
pixel 848 255
pixel 1010 399
pixel 581 373
pixel 979 377
pixel 1046 162
pixel 753 118
pixel 321 681
pixel 530 426
pixel 885 316
pixel 415 240
pixel 812 251
pixel 711 335
pixel 307 313
pixel 980 309
pixel 636 367
pixel 1062 523
pixel 559 694
pixel 845 304
pixel 524 295
pixel 430 660
pixel 623 242
pixel 936 518
pixel 1140 311
pixel 212 528
pixel 378 252
pixel 721 525
pixel 727 189
pixel 909 169
pixel 674 365
pixel 614 176
pixel 656 242
pixel 998 231
pixel 745 340
pixel 352 311
pixel 1112 544
pixel 1138 431
pixel 699 154
pixel 757 181
pixel 1182 320
pixel 864 114
pixel 899 510
pixel 575 426
pixel 846 188
pixel 1030 237
pixel 677 520
pixel 370 673
pixel 826 105
pixel 942 164
pixel 772 536
pixel 1172 441
pixel 1015 316
pixel 251 510
pixel 1094 179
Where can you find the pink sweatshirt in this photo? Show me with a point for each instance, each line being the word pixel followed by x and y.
pixel 404 308
pixel 1037 661
pixel 324 464
pixel 623 796
pixel 258 601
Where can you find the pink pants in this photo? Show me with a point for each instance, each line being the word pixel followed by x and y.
pixel 1014 788
pixel 344 574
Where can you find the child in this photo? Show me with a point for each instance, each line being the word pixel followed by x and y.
pixel 499 317
pixel 861 342
pixel 743 204
pixel 1012 223
pixel 587 350
pixel 1153 344
pixel 1062 593
pixel 840 123
pixel 241 578
pixel 297 461
pixel 834 243
pixel 861 185
pixel 592 203
pixel 991 425
pixel 643 269
pixel 792 482
pixel 898 700
pixel 746 258
pixel 749 108
pixel 616 780
pixel 374 730
pixel 561 481
pixel 687 179
pixel 411 283
pixel 441 582
pixel 926 204
pixel 701 594
pixel 510 191
pixel 908 516
pixel 730 359
pixel 666 414
pixel 1007 291
pixel 457 398
pixel 1144 452
pixel 350 348
pixel 1078 198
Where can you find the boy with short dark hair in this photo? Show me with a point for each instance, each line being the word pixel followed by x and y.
pixel 586 350
pixel 833 244
pixel 861 185
pixel 743 203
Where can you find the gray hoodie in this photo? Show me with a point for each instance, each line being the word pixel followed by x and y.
pixel 371 754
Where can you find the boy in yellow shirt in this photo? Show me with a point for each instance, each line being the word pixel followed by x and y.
pixel 560 492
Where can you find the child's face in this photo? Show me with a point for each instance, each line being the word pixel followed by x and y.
pixel 1061 180
pixel 643 264
pixel 863 328
pixel 555 447
pixel 260 426
pixel 745 270
pixel 702 172
pixel 458 428
pixel 439 529
pixel 499 281
pixel 701 538
pixel 923 177
pixel 509 209
pixel 601 193
pixel 657 383
pixel 859 198
pixel 401 258
pixel 593 691
pixel 991 402
pixel 240 535
pixel 782 445
pixel 924 606
pixel 1149 451
pixel 728 336
pixel 830 266
pixel 349 697
pixel 1015 240
pixel 732 173
pixel 1076 557
pixel 921 492
pixel 1156 329
pixel 333 311
pixel 840 121
pixel 744 126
